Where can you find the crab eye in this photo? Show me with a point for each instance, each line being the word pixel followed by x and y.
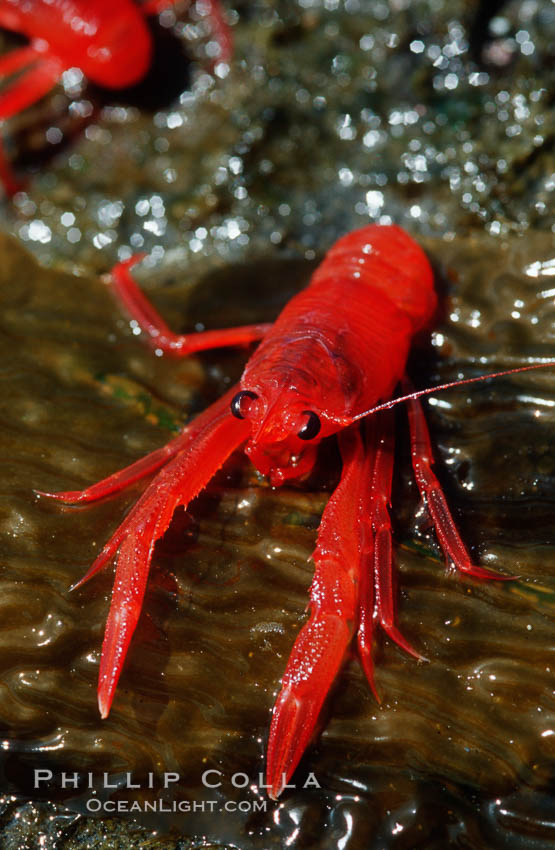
pixel 311 427
pixel 237 402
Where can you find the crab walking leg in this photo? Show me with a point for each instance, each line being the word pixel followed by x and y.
pixel 382 555
pixel 176 484
pixel 434 498
pixel 159 335
pixel 321 644
pixel 366 600
pixel 35 82
pixel 17 59
pixel 40 72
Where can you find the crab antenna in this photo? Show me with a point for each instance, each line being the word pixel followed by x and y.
pixel 429 390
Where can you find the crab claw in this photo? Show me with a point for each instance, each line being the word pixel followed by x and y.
pixel 320 647
pixel 188 462
pixel 311 669
pixel 183 477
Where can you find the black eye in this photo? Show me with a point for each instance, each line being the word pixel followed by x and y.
pixel 311 427
pixel 237 402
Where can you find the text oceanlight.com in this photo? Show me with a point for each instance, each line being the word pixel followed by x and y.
pixel 119 807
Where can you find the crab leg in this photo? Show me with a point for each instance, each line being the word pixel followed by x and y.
pixel 430 489
pixel 159 335
pixel 36 81
pixel 380 432
pixel 366 600
pixel 17 59
pixel 40 72
pixel 176 484
pixel 321 644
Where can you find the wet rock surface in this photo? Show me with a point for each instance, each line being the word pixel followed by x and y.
pixel 331 115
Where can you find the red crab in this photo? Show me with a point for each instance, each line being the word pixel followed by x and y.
pixel 337 349
pixel 107 39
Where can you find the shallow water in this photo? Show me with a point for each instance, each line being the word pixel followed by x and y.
pixel 460 750
pixel 229 586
